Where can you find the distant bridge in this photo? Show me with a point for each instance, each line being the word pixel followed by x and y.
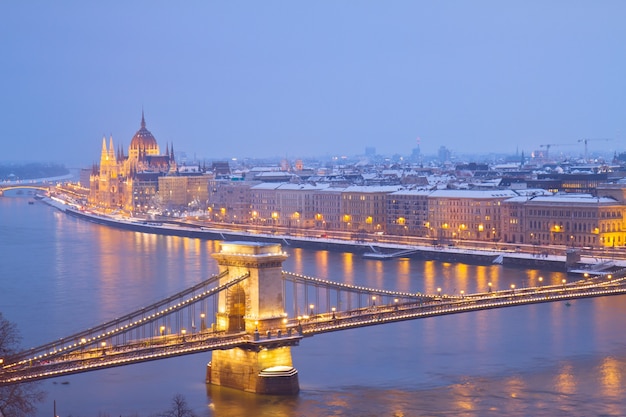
pixel 178 325
pixel 26 186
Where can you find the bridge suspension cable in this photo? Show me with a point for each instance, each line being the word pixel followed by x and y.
pixel 307 296
pixel 314 306
pixel 180 305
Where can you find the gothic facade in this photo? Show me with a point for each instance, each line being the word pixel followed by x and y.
pixel 129 182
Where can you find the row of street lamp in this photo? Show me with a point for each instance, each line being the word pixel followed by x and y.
pixel 513 286
pixel 334 309
pixel 373 304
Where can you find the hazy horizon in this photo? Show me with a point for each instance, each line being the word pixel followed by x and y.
pixel 223 80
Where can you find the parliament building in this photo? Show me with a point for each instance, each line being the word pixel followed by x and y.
pixel 130 182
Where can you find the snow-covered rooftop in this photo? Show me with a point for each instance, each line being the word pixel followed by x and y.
pixel 473 194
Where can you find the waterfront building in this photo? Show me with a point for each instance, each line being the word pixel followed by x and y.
pixel 466 214
pixel 198 189
pixel 513 218
pixel 143 187
pixel 407 213
pixel 230 201
pixel 332 201
pixel 288 205
pixel 130 182
pixel 172 190
pixel 327 207
pixel 264 204
pixel 184 189
pixel 525 216
pixel 105 182
pixel 576 220
pixel 296 204
pixel 364 209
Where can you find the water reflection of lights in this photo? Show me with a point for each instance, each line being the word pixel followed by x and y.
pixel 321 259
pixel 515 386
pixel 565 381
pixel 464 398
pixel 462 274
pixel 430 277
pixel 611 377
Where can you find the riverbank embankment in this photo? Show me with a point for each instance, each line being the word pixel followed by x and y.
pixel 369 250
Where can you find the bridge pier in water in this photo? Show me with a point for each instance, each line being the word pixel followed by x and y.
pixel 255 306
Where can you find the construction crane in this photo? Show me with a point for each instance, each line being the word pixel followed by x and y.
pixel 549 145
pixel 588 140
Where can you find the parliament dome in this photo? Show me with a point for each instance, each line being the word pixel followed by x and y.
pixel 143 140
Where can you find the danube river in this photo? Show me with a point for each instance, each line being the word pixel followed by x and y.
pixel 60 275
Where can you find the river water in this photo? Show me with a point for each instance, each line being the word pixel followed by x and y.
pixel 59 275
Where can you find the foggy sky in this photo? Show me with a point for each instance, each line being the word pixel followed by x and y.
pixel 295 79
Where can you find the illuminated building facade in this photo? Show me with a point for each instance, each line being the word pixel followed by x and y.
pixel 407 213
pixel 460 214
pixel 577 220
pixel 327 207
pixel 364 208
pixel 523 216
pixel 284 204
pixel 130 182
pixel 230 201
pixel 183 189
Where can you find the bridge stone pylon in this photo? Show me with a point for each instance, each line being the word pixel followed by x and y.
pixel 254 306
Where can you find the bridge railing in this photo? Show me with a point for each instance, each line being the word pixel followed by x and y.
pixel 175 314
pixel 145 338
pixel 308 296
pixel 593 287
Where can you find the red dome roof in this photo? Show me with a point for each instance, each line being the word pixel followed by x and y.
pixel 143 139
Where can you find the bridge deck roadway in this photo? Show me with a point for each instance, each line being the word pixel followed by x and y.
pixel 454 305
pixel 148 350
pixel 175 345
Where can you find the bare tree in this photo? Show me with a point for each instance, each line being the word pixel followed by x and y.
pixel 179 408
pixel 17 399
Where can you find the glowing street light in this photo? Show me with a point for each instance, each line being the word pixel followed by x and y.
pixel 373 301
pixel 489 284
pixel 311 306
pixel 540 281
pixel 513 288
pixel 300 325
pixel 333 310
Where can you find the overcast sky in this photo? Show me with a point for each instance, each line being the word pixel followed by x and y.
pixel 262 78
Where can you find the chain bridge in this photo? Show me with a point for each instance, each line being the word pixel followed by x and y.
pixel 252 312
